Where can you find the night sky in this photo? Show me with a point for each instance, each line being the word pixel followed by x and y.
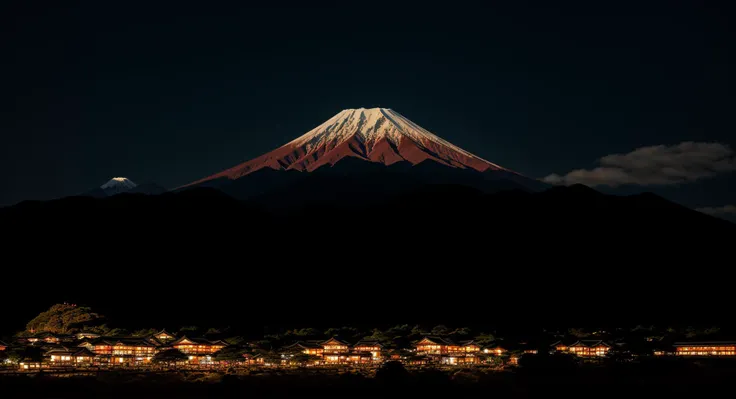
pixel 172 92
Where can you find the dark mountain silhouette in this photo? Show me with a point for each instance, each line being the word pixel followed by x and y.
pixel 120 185
pixel 359 181
pixel 438 253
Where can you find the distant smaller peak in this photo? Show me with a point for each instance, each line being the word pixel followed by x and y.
pixel 118 182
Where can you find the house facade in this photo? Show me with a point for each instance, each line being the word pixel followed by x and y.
pixel 199 350
pixel 375 348
pixel 119 351
pixel 589 348
pixel 706 348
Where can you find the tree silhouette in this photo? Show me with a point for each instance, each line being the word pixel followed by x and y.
pixel 62 318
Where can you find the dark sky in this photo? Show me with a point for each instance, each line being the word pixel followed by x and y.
pixel 172 92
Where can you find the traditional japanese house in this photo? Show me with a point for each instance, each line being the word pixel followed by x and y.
pixel 49 337
pixel 705 348
pixel 199 350
pixel 334 345
pixel 122 350
pixel 308 348
pixel 163 336
pixel 435 346
pixel 373 347
pixel 494 349
pixel 87 335
pixel 589 348
pixel 70 356
pixel 469 346
pixel 254 359
pixel 27 364
pixel 558 346
pixel 459 359
pixel 347 358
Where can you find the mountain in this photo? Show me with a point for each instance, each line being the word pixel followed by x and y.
pixel 119 185
pixel 355 141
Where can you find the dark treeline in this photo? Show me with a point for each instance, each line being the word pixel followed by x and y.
pixel 437 255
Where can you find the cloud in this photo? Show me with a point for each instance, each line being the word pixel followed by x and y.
pixel 726 210
pixel 655 165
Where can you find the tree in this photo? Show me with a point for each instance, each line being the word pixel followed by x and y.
pixel 236 340
pixel 213 331
pixel 351 333
pixel 392 373
pixel 116 332
pixel 378 335
pixel 440 330
pixel 402 330
pixel 145 332
pixel 485 338
pixel 62 318
pixel 461 333
pixel 25 353
pixel 417 332
pixel 578 333
pixel 230 354
pixel 169 357
pixel 304 333
pixel 189 329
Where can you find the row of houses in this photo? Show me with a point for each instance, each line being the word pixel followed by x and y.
pixel 92 349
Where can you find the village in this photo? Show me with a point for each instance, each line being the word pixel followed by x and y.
pixel 163 350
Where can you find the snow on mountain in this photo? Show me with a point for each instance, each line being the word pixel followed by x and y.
pixel 118 185
pixel 376 134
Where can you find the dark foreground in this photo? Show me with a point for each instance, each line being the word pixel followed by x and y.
pixel 664 379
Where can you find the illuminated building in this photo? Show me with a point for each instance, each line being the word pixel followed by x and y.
pixel 373 347
pixel 334 345
pixel 445 351
pixel 164 336
pixel 308 348
pixel 589 348
pixel 49 338
pixel 87 335
pixel 494 350
pixel 705 348
pixel 559 346
pixel 199 350
pixel 122 351
pixel 435 346
pixel 70 356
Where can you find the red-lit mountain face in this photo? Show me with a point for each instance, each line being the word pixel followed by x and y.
pixel 378 135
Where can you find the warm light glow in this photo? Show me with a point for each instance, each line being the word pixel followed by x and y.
pixel 706 350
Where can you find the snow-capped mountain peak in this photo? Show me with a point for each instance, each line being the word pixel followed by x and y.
pixel 379 135
pixel 118 182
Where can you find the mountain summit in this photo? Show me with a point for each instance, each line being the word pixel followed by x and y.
pixel 379 135
pixel 118 185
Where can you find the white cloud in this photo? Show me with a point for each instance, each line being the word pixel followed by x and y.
pixel 727 210
pixel 655 165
